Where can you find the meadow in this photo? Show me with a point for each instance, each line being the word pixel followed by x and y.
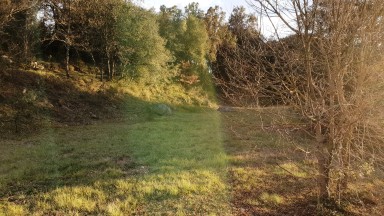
pixel 197 161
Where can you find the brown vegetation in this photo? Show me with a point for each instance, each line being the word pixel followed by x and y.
pixel 273 168
pixel 329 71
pixel 30 98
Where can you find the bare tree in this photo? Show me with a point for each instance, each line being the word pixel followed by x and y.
pixel 241 69
pixel 240 75
pixel 332 78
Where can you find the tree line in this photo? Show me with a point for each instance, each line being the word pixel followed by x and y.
pixel 122 39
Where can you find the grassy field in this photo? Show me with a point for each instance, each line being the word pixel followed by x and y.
pixel 143 164
pixel 194 162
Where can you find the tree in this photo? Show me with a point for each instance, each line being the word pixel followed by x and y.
pixel 188 41
pixel 58 14
pixel 170 20
pixel 101 22
pixel 192 9
pixel 141 49
pixel 240 71
pixel 18 27
pixel 83 27
pixel 9 8
pixel 217 31
pixel 330 80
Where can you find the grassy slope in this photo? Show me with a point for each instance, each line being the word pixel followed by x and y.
pixel 31 97
pixel 28 98
pixel 168 165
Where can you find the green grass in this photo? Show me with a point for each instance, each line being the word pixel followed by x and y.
pixel 194 162
pixel 174 165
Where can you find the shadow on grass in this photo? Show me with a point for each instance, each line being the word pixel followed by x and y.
pixel 28 98
pixel 164 164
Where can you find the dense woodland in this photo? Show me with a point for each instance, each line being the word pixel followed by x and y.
pixel 120 39
pixel 329 71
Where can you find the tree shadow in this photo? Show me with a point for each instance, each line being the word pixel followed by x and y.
pixel 28 98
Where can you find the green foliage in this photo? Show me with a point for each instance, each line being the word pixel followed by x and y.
pixel 121 38
pixel 195 41
pixel 217 31
pixel 188 40
pixel 142 50
pixel 192 9
pixel 170 28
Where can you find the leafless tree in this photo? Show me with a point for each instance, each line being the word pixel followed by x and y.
pixel 241 71
pixel 333 78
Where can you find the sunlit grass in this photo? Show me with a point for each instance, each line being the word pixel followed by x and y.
pixel 274 199
pixel 12 209
pixel 290 169
pixel 174 165
pixel 265 173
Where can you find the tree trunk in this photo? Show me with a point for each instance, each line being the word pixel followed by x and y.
pixel 26 56
pixel 68 40
pixel 257 101
pixel 113 69
pixel 101 66
pixel 67 61
pixel 109 67
pixel 101 73
pixel 324 148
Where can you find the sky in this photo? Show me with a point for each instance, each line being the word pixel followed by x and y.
pixel 227 6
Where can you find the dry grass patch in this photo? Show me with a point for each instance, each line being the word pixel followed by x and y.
pixel 273 168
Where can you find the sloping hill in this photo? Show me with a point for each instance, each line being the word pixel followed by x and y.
pixel 28 98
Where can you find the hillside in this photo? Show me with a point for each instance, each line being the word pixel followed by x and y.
pixel 32 98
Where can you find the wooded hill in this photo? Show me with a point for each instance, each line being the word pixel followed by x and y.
pixel 170 56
